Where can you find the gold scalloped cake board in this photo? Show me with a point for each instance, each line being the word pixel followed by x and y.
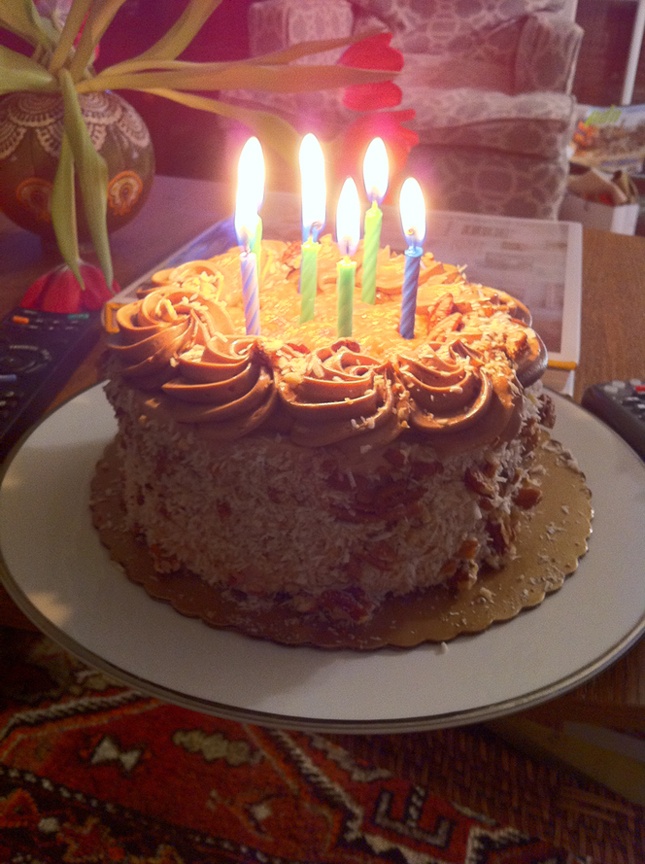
pixel 551 539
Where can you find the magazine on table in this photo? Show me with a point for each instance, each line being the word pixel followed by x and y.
pixel 610 139
pixel 537 261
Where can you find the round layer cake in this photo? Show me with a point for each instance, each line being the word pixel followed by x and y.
pixel 315 473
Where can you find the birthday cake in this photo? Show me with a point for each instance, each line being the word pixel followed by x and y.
pixel 299 471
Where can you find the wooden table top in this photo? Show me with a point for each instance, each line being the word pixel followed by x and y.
pixel 612 347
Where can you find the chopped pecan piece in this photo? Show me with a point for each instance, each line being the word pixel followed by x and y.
pixel 419 469
pixel 478 482
pixel 501 536
pixel 527 496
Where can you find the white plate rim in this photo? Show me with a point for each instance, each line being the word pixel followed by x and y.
pixel 622 640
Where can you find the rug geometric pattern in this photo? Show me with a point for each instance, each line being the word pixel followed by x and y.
pixel 94 772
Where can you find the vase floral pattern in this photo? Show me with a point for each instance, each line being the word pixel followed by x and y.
pixel 31 130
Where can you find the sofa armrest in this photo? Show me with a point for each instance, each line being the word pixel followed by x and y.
pixel 277 24
pixel 547 54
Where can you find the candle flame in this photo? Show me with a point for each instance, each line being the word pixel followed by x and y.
pixel 250 190
pixel 314 192
pixel 413 212
pixel 348 218
pixel 376 170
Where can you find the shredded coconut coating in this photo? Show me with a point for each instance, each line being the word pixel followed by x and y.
pixel 267 518
pixel 325 474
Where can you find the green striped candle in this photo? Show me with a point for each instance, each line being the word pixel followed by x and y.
pixel 348 229
pixel 375 177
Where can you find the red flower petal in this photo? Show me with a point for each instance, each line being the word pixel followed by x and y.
pixel 350 146
pixel 59 291
pixel 62 294
pixel 374 52
pixel 372 97
pixel 31 298
pixel 96 291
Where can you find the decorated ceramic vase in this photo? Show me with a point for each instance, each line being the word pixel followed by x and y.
pixel 31 127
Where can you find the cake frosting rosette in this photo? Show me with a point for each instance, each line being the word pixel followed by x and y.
pixel 297 471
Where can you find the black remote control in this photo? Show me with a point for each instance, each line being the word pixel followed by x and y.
pixel 621 404
pixel 38 353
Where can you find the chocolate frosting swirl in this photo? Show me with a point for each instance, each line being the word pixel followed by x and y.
pixel 153 331
pixel 337 393
pixel 507 324
pixel 462 374
pixel 448 389
pixel 452 391
pixel 226 383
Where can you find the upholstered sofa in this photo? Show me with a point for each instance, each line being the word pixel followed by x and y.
pixel 490 82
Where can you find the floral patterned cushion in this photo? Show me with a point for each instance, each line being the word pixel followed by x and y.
pixel 488 80
pixel 437 26
pixel 473 180
pixel 274 25
pixel 536 124
pixel 547 55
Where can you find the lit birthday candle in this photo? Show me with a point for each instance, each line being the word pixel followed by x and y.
pixel 312 172
pixel 375 177
pixel 348 228
pixel 413 222
pixel 251 167
pixel 246 229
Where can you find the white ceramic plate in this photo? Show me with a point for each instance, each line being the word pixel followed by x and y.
pixel 60 575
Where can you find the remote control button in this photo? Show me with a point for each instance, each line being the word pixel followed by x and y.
pixel 38 352
pixel 20 319
pixel 24 359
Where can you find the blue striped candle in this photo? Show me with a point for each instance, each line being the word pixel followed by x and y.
pixel 413 221
pixel 409 292
pixel 255 246
pixel 250 293
pixel 248 200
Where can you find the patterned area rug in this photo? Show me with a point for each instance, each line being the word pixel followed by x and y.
pixel 93 772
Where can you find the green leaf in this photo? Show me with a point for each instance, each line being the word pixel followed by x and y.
pixel 18 72
pixel 101 14
pixel 20 17
pixel 306 49
pixel 149 63
pixel 277 133
pixel 183 31
pixel 71 29
pixel 234 76
pixel 63 208
pixel 92 173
